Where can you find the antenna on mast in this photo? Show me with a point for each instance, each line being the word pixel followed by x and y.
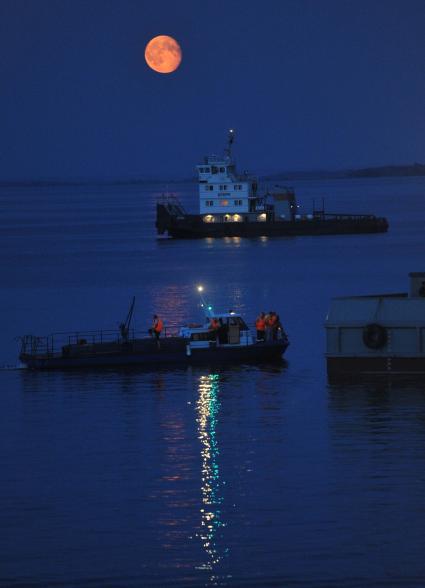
pixel 230 139
pixel 208 309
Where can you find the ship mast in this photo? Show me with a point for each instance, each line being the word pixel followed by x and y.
pixel 230 139
pixel 125 326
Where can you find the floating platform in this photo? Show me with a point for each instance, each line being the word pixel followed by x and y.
pixel 377 334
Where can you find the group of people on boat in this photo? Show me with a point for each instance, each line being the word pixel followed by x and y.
pixel 268 326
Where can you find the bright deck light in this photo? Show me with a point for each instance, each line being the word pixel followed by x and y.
pixel 200 288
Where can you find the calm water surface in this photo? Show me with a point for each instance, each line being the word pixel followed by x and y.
pixel 253 476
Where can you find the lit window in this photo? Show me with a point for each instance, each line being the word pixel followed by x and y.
pixel 224 203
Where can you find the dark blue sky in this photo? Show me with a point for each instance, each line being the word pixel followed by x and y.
pixel 307 84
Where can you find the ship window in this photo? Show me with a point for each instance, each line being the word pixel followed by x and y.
pixel 206 170
pixel 223 186
pixel 206 336
pixel 214 169
pixel 237 187
pixel 210 187
pixel 222 170
pixel 238 321
pixel 209 202
pixel 238 202
pixel 224 203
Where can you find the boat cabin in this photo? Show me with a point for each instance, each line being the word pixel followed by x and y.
pixel 226 196
pixel 231 330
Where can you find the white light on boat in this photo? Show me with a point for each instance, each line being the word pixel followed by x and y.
pixel 209 218
pixel 237 218
pixel 262 217
pixel 200 288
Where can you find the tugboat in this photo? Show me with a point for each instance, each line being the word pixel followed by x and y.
pixel 231 205
pixel 378 334
pixel 230 341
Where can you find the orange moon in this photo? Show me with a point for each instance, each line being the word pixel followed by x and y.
pixel 163 54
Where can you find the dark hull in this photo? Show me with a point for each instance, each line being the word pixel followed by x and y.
pixel 172 352
pixel 193 226
pixel 355 366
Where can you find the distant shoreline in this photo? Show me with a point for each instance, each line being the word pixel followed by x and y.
pixel 417 169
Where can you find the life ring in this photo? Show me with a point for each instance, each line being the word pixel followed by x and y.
pixel 375 336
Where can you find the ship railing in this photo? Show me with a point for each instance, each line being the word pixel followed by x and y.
pixel 48 345
pixel 172 203
pixel 342 216
pixel 54 343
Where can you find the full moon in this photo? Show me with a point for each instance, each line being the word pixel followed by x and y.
pixel 163 54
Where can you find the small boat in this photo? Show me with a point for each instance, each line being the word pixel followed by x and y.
pixel 377 334
pixel 231 342
pixel 233 205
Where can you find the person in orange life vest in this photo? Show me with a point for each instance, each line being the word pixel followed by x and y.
pixel 214 325
pixel 260 325
pixel 214 328
pixel 273 324
pixel 270 325
pixel 157 326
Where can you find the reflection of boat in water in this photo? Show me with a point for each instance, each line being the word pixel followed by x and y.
pixel 231 342
pixel 232 205
pixel 379 334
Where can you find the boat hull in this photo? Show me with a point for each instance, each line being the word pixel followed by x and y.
pixel 172 351
pixel 355 366
pixel 193 226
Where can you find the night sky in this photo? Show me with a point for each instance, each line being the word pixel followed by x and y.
pixel 307 84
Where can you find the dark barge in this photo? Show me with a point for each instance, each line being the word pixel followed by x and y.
pixel 377 334
pixel 231 205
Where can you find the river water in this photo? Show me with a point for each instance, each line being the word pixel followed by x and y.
pixel 245 476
